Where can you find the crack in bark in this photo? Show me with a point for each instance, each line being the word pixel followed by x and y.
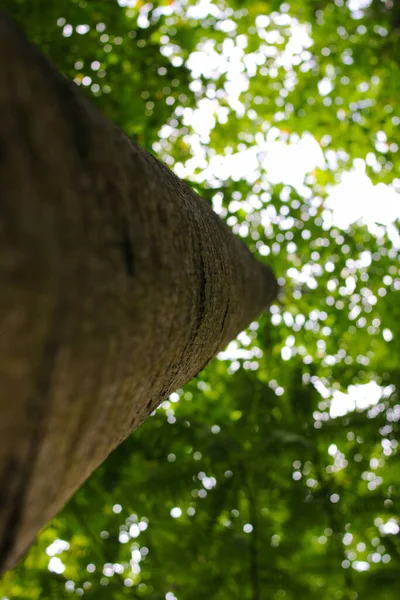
pixel 202 291
pixel 128 252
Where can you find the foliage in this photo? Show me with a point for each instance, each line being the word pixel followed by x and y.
pixel 275 473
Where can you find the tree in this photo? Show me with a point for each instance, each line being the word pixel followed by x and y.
pixel 119 285
pixel 274 473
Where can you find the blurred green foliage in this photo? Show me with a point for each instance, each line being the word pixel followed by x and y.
pixel 253 482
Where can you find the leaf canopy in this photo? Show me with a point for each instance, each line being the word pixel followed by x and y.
pixel 275 473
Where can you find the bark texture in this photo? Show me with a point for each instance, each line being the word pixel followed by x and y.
pixel 117 285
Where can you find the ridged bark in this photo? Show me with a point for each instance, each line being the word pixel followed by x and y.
pixel 118 284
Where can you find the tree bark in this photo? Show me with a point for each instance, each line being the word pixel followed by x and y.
pixel 118 284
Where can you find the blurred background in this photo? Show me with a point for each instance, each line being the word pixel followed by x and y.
pixel 274 475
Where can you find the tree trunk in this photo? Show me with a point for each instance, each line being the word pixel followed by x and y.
pixel 118 284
